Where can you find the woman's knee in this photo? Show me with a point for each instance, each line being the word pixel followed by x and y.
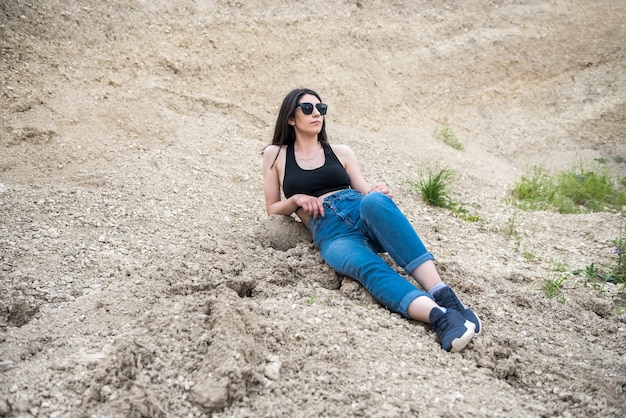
pixel 371 203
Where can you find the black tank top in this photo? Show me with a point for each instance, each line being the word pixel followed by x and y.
pixel 328 178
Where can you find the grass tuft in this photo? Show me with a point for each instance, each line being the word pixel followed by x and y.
pixel 580 189
pixel 447 135
pixel 597 277
pixel 554 281
pixel 434 187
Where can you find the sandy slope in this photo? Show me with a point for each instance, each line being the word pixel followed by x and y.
pixel 140 275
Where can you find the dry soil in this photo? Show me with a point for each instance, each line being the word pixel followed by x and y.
pixel 141 277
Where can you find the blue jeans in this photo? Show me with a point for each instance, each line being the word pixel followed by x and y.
pixel 355 229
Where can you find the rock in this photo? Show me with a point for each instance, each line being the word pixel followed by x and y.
pixel 6 365
pixel 272 370
pixel 210 394
pixel 281 232
pixel 4 408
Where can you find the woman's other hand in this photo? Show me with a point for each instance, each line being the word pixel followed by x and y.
pixel 311 205
pixel 382 188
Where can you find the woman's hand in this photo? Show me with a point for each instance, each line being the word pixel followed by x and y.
pixel 382 188
pixel 311 205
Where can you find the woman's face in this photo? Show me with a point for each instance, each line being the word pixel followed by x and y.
pixel 307 124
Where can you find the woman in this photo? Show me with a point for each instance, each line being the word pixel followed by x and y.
pixel 351 222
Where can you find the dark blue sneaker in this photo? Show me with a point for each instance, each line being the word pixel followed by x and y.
pixel 454 331
pixel 448 299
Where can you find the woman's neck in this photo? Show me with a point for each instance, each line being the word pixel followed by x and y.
pixel 306 144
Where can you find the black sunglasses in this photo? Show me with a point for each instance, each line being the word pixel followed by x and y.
pixel 307 108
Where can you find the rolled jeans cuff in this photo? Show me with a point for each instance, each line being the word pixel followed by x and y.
pixel 408 298
pixel 418 262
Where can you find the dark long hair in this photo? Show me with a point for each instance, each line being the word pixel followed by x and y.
pixel 284 133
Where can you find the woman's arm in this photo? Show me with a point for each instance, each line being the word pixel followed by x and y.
pixel 271 185
pixel 274 205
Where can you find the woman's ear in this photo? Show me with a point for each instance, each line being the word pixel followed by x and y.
pixel 291 121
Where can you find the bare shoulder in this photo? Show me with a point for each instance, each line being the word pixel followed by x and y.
pixel 273 157
pixel 271 151
pixel 344 152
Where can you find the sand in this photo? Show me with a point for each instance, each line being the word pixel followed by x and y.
pixel 141 277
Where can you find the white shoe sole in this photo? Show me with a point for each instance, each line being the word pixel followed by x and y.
pixel 459 343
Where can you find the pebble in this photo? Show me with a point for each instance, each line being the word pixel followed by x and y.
pixel 6 365
pixel 272 370
pixel 382 369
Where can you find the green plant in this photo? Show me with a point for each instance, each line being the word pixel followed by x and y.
pixel 311 299
pixel 584 188
pixel 463 213
pixel 511 229
pixel 434 187
pixel 579 189
pixel 597 276
pixel 553 283
pixel 619 270
pixel 534 190
pixel 592 275
pixel 529 255
pixel 447 135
